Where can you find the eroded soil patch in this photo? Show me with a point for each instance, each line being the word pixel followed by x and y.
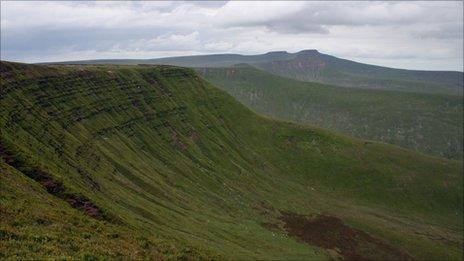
pixel 331 233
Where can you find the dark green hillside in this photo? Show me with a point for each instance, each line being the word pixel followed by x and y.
pixel 156 152
pixel 428 123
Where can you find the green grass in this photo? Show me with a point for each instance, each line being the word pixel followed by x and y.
pixel 428 123
pixel 35 225
pixel 176 159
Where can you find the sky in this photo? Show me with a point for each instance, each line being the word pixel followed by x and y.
pixel 412 35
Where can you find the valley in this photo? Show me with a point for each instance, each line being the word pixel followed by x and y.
pixel 429 123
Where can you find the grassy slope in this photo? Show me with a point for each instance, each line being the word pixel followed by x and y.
pixel 428 123
pixel 171 155
pixel 36 225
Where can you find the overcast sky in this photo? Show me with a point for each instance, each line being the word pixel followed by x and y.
pixel 413 35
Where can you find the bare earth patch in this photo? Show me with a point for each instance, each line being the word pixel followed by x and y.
pixel 332 234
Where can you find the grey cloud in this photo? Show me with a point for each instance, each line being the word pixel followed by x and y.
pixel 98 39
pixel 449 32
pixel 317 17
pixel 297 28
pixel 211 4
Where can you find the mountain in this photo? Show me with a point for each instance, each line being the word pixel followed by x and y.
pixel 430 123
pixel 155 162
pixel 313 66
pixel 212 60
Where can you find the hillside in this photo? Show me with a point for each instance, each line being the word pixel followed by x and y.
pixel 140 152
pixel 428 123
pixel 313 66
pixel 36 225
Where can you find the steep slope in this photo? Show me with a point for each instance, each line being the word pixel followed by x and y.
pixel 158 150
pixel 428 123
pixel 313 66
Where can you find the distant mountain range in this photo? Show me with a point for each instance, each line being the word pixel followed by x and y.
pixel 421 110
pixel 313 66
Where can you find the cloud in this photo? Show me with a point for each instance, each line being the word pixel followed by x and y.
pixel 448 31
pixel 317 17
pixel 419 33
pixel 175 40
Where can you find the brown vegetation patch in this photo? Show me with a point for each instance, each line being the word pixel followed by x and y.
pixel 177 142
pixel 86 206
pixel 290 142
pixel 331 233
pixel 76 201
pixel 194 136
pixel 271 226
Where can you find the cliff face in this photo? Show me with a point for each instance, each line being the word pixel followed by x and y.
pixel 157 151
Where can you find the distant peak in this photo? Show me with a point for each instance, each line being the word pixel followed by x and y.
pixel 309 52
pixel 277 52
